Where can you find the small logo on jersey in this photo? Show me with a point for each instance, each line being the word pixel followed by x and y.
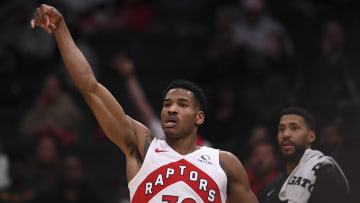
pixel 205 159
pixel 269 193
pixel 157 150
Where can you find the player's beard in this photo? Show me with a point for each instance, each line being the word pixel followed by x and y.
pixel 296 156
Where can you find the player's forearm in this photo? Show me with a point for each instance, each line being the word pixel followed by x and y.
pixel 75 62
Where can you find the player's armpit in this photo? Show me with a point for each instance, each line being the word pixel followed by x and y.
pixel 238 184
pixel 142 135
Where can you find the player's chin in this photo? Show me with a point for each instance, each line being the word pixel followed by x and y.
pixel 170 132
pixel 287 152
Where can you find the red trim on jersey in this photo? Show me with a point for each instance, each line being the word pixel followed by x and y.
pixel 140 195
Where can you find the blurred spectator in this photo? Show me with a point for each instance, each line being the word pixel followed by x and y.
pixel 74 187
pixel 261 167
pixel 257 50
pixel 132 14
pixel 11 84
pixel 267 52
pixel 22 189
pixel 224 118
pixel 329 82
pixel 253 30
pixel 263 95
pixel 135 15
pixel 258 134
pixel 46 165
pixel 330 140
pixel 226 104
pixel 79 6
pixel 184 17
pixel 53 108
pixel 33 45
pixel 221 43
pixel 4 169
pixel 334 141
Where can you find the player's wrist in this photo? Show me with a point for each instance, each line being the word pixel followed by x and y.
pixel 60 22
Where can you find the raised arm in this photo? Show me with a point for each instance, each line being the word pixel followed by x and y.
pixel 238 183
pixel 125 132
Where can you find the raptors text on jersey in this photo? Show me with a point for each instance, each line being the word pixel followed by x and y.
pixel 169 177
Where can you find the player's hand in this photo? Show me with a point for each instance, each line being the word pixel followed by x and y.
pixel 46 17
pixel 123 65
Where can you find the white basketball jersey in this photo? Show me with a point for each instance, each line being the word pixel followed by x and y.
pixel 169 177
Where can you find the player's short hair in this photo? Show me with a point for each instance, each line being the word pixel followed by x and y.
pixel 306 115
pixel 195 89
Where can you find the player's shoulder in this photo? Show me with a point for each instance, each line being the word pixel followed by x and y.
pixel 230 163
pixel 327 170
pixel 330 175
pixel 227 157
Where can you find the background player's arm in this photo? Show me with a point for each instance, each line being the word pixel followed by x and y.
pixel 121 129
pixel 125 67
pixel 330 187
pixel 238 184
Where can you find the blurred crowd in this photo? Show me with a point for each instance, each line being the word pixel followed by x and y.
pixel 252 58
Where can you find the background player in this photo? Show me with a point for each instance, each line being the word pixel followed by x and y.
pixel 309 176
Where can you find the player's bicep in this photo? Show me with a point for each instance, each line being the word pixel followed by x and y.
pixel 238 183
pixel 111 117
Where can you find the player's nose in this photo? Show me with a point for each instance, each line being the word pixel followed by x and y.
pixel 173 109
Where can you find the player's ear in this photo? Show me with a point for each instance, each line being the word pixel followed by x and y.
pixel 311 137
pixel 200 118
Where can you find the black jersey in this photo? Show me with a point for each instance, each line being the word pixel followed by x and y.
pixel 330 187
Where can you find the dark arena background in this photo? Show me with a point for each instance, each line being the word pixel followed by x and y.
pixel 251 57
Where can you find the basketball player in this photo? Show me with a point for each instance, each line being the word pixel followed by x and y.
pixel 309 175
pixel 173 170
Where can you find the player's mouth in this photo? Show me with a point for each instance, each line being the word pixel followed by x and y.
pixel 286 145
pixel 170 121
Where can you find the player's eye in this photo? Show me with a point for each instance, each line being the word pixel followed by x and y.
pixel 183 105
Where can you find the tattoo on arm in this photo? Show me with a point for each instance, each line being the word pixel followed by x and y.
pixel 147 143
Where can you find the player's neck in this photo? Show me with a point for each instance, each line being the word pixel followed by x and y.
pixel 290 166
pixel 184 145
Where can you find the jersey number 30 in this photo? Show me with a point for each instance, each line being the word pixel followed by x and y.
pixel 174 199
